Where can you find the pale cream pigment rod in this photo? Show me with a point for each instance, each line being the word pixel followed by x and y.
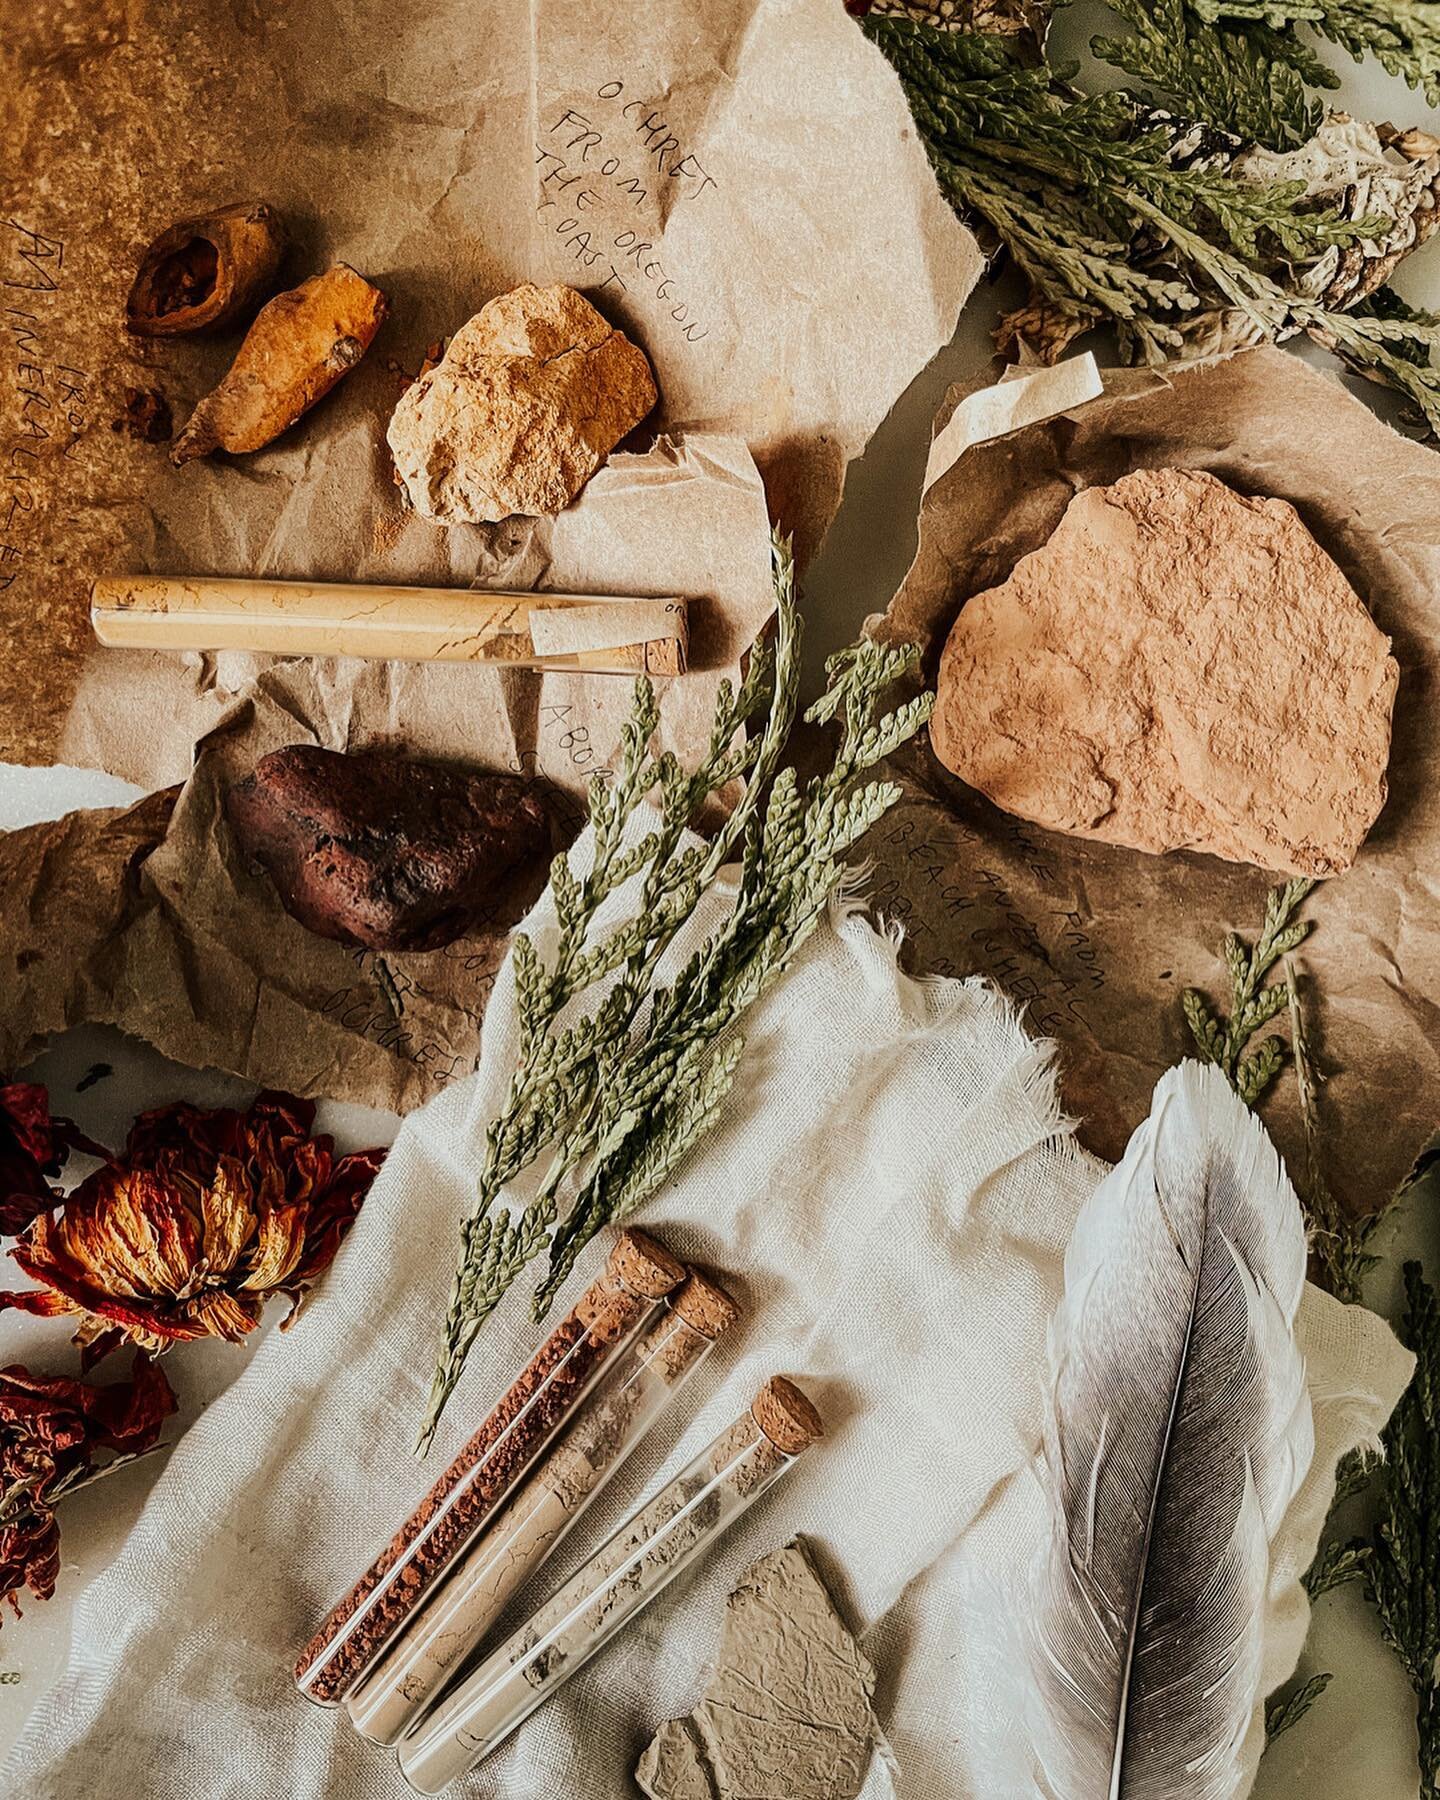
pixel 588 633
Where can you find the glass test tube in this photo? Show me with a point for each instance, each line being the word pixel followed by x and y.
pixel 462 1608
pixel 643 1556
pixel 608 1316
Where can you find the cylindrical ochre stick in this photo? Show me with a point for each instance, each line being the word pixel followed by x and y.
pixel 591 633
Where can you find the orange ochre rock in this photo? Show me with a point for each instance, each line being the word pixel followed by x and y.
pixel 1179 667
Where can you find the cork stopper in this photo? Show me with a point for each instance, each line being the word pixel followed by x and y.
pixel 643 1266
pixel 705 1306
pixel 785 1416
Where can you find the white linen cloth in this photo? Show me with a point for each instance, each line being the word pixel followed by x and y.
pixel 890 1192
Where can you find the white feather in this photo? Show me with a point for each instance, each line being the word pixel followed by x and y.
pixel 1178 1429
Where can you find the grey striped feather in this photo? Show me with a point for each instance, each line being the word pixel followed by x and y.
pixel 1178 1429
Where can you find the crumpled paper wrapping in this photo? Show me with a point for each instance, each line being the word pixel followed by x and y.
pixel 197 955
pixel 736 183
pixel 1100 941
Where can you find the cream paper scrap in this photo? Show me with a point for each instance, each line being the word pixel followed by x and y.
pixel 1021 397
pixel 557 631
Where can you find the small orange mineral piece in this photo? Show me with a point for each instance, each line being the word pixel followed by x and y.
pixel 298 348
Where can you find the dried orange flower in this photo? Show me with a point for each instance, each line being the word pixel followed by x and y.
pixel 188 1233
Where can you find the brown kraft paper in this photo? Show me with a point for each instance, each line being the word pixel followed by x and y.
pixel 1099 942
pixel 200 958
pixel 735 182
pixel 719 178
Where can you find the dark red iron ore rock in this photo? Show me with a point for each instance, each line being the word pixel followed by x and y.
pixel 381 850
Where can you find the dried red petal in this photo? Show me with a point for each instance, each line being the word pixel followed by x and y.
pixel 30 1556
pixel 28 1155
pixel 25 1116
pixel 58 1411
pixel 69 1288
pixel 50 1429
pixel 334 1211
pixel 68 1136
pixel 97 1348
pixel 33 1149
pixel 130 1414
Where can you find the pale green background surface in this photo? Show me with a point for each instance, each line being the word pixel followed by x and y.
pixel 1358 1743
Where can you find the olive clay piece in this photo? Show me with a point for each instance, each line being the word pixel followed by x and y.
pixel 1179 667
pixel 787 1709
pixel 529 399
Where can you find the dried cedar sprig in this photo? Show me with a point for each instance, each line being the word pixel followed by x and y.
pixel 1109 225
pixel 1339 1242
pixel 1225 1039
pixel 1289 1705
pixel 1401 1567
pixel 1401 1563
pixel 1339 1560
pixel 1402 35
pixel 1337 1563
pixel 1244 75
pixel 616 1098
